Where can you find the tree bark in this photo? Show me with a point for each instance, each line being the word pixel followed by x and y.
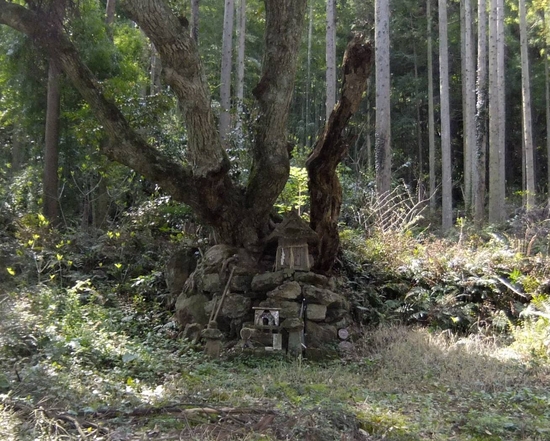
pixel 330 57
pixel 271 151
pixel 382 138
pixel 195 20
pixel 528 152
pixel 494 188
pixel 547 94
pixel 308 134
pixel 226 68
pixel 238 216
pixel 418 101
pixel 17 152
pixel 110 9
pixel 501 92
pixel 431 122
pixel 368 143
pixel 324 187
pixel 496 107
pixel 468 102
pixel 183 72
pixel 50 183
pixel 446 176
pixel 480 176
pixel 100 204
pixel 239 83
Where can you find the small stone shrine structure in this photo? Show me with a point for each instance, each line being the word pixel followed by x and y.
pixel 295 329
pixel 265 298
pixel 293 235
pixel 266 321
pixel 213 337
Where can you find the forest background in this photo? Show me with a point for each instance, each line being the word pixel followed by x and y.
pixel 451 234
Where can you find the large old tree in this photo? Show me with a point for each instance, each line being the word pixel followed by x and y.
pixel 238 215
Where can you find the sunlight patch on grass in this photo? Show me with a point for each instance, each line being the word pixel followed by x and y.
pixel 406 358
pixel 403 384
pixel 379 421
pixel 9 425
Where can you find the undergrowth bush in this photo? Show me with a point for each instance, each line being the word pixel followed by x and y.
pixel 469 281
pixel 532 334
pixel 83 325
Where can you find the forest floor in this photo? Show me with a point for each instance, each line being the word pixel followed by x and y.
pixel 76 364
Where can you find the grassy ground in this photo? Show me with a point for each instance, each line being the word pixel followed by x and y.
pixel 76 364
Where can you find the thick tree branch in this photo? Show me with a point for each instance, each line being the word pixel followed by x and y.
pixel 238 218
pixel 284 24
pixel 127 146
pixel 182 70
pixel 324 187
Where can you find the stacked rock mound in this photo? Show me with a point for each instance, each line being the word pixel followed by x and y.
pixel 249 286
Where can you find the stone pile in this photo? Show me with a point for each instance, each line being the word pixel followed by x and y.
pixel 327 311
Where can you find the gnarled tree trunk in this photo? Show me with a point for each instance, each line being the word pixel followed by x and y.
pixel 324 186
pixel 238 216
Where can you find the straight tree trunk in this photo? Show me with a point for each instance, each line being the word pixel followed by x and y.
pixel 528 151
pixel 331 57
pixel 110 9
pixel 51 149
pixel 466 159
pixel 383 127
pixel 50 181
pixel 195 20
pixel 431 123
pixel 501 92
pixel 497 114
pixel 547 90
pixel 468 101
pixel 324 186
pixel 369 126
pixel 446 176
pixel 225 76
pixel 419 145
pixel 480 175
pixel 239 83
pixel 547 93
pixel 16 149
pixel 308 132
pixel 100 201
pixel 496 197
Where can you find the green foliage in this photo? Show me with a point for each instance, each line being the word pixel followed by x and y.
pixel 295 194
pixel 83 312
pixel 379 421
pixel 532 336
pixel 90 37
pixel 474 281
pixel 92 346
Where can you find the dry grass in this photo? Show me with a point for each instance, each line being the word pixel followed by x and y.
pixel 403 383
pixel 9 424
pixel 426 385
pixel 416 358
